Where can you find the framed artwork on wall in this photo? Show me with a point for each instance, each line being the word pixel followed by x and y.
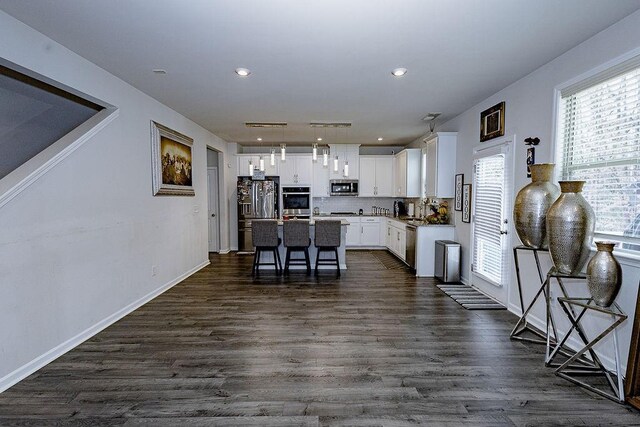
pixel 492 122
pixel 172 162
pixel 458 192
pixel 466 203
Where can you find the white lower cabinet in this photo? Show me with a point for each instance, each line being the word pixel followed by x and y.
pixel 370 231
pixel 397 238
pixel 353 231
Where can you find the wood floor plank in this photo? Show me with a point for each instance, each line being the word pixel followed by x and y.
pixel 376 346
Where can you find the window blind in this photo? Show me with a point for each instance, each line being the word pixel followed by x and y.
pixel 487 217
pixel 599 142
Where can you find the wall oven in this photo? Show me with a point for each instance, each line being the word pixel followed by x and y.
pixel 296 202
pixel 344 187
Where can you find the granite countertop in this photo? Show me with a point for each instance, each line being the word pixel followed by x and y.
pixel 407 220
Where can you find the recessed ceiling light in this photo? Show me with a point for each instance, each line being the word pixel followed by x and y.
pixel 259 139
pixel 319 139
pixel 243 72
pixel 159 71
pixel 380 139
pixel 399 72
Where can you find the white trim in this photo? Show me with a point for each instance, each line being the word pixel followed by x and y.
pixel 46 358
pixel 224 251
pixel 32 170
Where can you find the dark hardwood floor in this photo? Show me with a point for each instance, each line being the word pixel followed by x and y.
pixel 374 347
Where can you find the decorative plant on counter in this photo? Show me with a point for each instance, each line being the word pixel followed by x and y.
pixel 440 213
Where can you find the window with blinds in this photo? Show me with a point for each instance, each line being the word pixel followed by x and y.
pixel 488 256
pixel 599 142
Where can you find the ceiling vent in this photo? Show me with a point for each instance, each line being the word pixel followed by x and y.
pixel 330 124
pixel 266 124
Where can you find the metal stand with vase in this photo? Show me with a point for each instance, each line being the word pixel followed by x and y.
pixel 530 218
pixel 604 275
pixel 531 206
pixel 570 226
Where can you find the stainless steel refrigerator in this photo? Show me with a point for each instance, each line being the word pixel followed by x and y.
pixel 257 199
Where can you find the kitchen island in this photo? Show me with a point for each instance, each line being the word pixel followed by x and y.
pixel 268 257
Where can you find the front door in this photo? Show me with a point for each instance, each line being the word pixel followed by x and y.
pixel 490 222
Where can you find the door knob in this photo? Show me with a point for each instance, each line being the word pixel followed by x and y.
pixel 213 215
pixel 503 232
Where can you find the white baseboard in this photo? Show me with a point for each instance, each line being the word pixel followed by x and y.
pixel 48 357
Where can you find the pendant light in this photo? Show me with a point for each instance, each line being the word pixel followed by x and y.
pixel 314 153
pixel 283 152
pixel 346 159
pixel 261 163
pixel 336 161
pixel 272 157
pixel 251 167
pixel 325 158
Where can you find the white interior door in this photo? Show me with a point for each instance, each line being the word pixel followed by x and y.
pixel 490 221
pixel 214 222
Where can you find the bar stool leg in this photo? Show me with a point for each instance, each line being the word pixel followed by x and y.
pixel 307 260
pixel 337 260
pixel 287 259
pixel 277 257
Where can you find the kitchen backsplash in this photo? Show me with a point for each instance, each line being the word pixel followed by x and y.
pixel 352 204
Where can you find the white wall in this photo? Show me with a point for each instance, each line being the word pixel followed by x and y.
pixel 77 247
pixel 530 112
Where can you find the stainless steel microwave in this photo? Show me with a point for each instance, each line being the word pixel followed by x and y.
pixel 344 187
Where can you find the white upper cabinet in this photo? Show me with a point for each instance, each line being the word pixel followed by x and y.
pixel 296 170
pixel 345 152
pixel 320 185
pixel 376 176
pixel 243 164
pixel 440 165
pixel 407 167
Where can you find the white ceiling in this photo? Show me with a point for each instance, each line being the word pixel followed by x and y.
pixel 320 60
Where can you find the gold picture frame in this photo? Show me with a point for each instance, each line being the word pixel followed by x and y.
pixel 172 162
pixel 492 122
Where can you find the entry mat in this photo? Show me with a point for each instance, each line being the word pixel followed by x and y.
pixel 469 298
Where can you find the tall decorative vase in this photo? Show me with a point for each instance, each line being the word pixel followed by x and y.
pixel 604 275
pixel 531 206
pixel 570 226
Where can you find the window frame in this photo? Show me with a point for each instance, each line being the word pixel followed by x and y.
pixel 625 257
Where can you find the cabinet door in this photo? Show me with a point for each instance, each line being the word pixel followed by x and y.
pixel 353 231
pixel 432 168
pixel 370 234
pixel 268 169
pixel 352 154
pixel 367 177
pixel 288 171
pixel 384 176
pixel 320 184
pixel 304 170
pixel 401 174
pixel 389 237
pixel 402 244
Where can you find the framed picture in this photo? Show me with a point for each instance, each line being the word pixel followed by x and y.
pixel 492 122
pixel 531 159
pixel 466 203
pixel 458 192
pixel 171 154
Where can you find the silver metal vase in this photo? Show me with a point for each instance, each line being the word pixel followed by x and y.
pixel 570 226
pixel 604 275
pixel 531 206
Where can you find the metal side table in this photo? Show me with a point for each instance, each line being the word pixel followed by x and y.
pixel 523 325
pixel 569 372
pixel 555 348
